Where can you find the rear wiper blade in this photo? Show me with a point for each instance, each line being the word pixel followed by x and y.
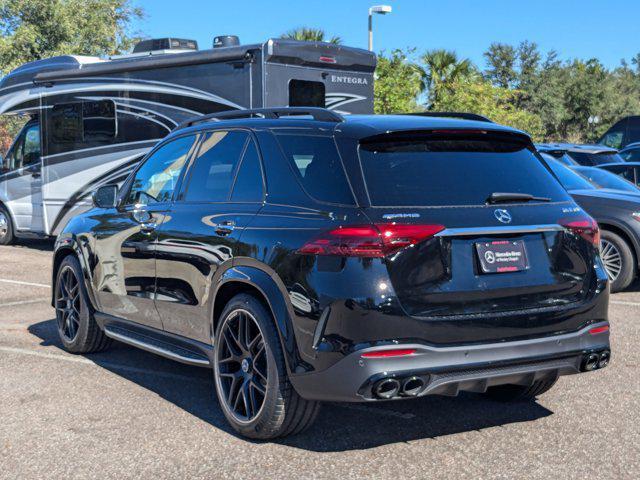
pixel 506 197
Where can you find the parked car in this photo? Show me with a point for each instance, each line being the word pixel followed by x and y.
pixel 305 256
pixel 602 178
pixel 631 153
pixel 627 170
pixel 624 132
pixel 556 151
pixel 591 155
pixel 618 215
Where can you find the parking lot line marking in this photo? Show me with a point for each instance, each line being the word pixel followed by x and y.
pixel 623 302
pixel 19 282
pixel 104 365
pixel 24 302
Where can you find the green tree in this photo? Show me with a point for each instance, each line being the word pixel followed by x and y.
pixel 307 34
pixel 398 82
pixel 442 68
pixel 35 29
pixel 501 59
pixel 496 103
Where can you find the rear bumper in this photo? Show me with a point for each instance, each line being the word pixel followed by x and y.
pixel 449 370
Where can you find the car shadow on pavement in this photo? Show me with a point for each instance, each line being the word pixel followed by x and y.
pixel 45 245
pixel 339 427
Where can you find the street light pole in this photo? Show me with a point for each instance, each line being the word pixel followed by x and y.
pixel 382 10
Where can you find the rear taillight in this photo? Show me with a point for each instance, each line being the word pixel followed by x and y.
pixel 586 227
pixel 377 240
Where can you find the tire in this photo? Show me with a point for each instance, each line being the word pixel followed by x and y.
pixel 618 260
pixel 6 227
pixel 277 412
pixel 77 327
pixel 520 393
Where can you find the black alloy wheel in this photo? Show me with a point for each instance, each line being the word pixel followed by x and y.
pixel 250 373
pixel 68 306
pixel 242 366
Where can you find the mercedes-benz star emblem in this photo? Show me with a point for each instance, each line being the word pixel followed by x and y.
pixel 502 215
pixel 489 256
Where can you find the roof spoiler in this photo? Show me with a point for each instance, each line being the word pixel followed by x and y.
pixel 463 115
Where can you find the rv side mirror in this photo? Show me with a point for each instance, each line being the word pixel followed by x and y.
pixel 106 196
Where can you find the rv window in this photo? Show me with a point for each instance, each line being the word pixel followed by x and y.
pixel 215 167
pixel 318 164
pixel 31 152
pixel 304 93
pixel 83 122
pixel 156 180
pixel 66 123
pixel 98 120
pixel 248 186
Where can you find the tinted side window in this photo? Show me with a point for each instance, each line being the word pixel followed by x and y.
pixel 214 169
pixel 319 167
pixel 156 180
pixel 248 186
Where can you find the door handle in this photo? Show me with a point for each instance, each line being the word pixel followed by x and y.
pixel 225 227
pixel 36 174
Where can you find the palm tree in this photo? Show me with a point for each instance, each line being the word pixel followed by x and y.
pixel 307 34
pixel 441 68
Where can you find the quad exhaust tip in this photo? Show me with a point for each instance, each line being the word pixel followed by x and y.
pixel 595 360
pixel 386 388
pixel 412 386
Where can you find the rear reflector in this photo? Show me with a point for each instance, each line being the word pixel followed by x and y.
pixel 328 60
pixel 585 227
pixel 389 353
pixel 369 240
pixel 595 331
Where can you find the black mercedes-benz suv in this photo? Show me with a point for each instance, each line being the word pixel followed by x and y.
pixel 308 257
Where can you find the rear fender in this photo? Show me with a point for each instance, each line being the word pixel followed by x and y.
pixel 274 294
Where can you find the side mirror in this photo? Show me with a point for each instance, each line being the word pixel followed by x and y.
pixel 106 196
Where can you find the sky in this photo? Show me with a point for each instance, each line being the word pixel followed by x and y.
pixel 606 29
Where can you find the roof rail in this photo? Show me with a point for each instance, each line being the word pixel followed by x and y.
pixel 319 114
pixel 464 115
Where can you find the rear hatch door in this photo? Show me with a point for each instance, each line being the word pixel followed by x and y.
pixel 490 261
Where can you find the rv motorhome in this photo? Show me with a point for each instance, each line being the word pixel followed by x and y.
pixel 91 120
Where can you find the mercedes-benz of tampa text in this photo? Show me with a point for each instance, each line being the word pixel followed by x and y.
pixel 305 256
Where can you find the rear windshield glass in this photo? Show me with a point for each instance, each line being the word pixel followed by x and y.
pixel 439 171
pixel 590 159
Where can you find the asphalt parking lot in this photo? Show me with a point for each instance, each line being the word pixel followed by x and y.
pixel 128 414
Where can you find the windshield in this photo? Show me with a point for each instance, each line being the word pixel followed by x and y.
pixel 429 170
pixel 593 159
pixel 570 179
pixel 605 179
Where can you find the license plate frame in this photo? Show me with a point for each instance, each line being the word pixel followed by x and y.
pixel 502 256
